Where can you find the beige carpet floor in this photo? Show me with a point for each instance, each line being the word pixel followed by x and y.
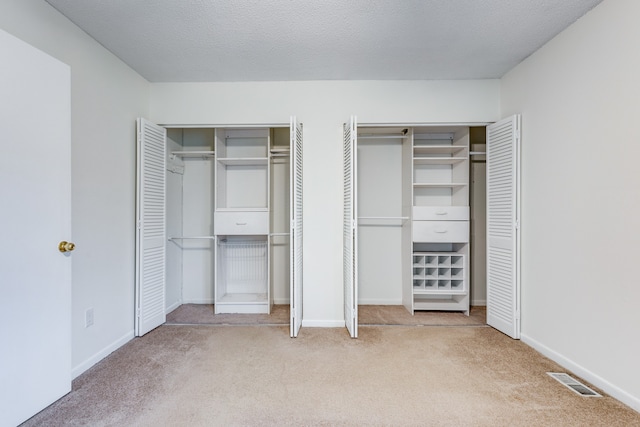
pixel 201 314
pixel 390 376
pixel 398 315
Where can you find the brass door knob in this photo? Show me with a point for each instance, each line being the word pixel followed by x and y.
pixel 65 246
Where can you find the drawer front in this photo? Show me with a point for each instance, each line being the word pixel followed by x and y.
pixel 241 223
pixel 441 231
pixel 441 213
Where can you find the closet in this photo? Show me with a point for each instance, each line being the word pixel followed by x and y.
pixel 228 205
pixel 406 224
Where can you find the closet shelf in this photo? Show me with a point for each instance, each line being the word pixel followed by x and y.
pixel 193 154
pixel 243 161
pixel 438 149
pixel 404 218
pixel 439 184
pixel 279 152
pixel 381 136
pixel 438 160
pixel 232 209
pixel 192 238
pixel 245 137
pixel 438 292
pixel 244 298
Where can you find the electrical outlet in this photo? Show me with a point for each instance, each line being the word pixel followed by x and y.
pixel 88 317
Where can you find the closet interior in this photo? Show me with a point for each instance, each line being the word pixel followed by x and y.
pixel 412 216
pixel 228 206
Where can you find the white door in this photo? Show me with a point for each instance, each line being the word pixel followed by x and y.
pixel 350 229
pixel 151 227
pixel 295 243
pixel 35 189
pixel 503 226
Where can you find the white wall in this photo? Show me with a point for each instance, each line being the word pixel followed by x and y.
pixel 578 96
pixel 323 107
pixel 106 97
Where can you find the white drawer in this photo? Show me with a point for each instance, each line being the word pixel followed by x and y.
pixel 441 213
pixel 241 223
pixel 441 231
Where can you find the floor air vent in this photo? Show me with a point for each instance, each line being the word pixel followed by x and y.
pixel 573 384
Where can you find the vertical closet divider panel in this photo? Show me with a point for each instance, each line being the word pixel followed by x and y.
pixel 407 207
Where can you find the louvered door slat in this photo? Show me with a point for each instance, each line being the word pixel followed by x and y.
pixel 295 182
pixel 503 276
pixel 151 235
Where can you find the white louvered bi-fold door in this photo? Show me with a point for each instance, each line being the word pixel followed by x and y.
pixel 503 226
pixel 295 244
pixel 150 236
pixel 349 236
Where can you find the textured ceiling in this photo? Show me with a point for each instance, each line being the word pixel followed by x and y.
pixel 263 40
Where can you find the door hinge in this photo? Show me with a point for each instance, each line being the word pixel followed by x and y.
pixel 518 224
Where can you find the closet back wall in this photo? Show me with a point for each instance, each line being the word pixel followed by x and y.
pixel 380 241
pixel 323 107
pixel 190 187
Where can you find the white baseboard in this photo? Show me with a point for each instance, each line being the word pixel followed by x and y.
pixel 479 303
pixel 611 389
pixel 323 323
pixel 198 301
pixel 283 301
pixel 82 367
pixel 172 307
